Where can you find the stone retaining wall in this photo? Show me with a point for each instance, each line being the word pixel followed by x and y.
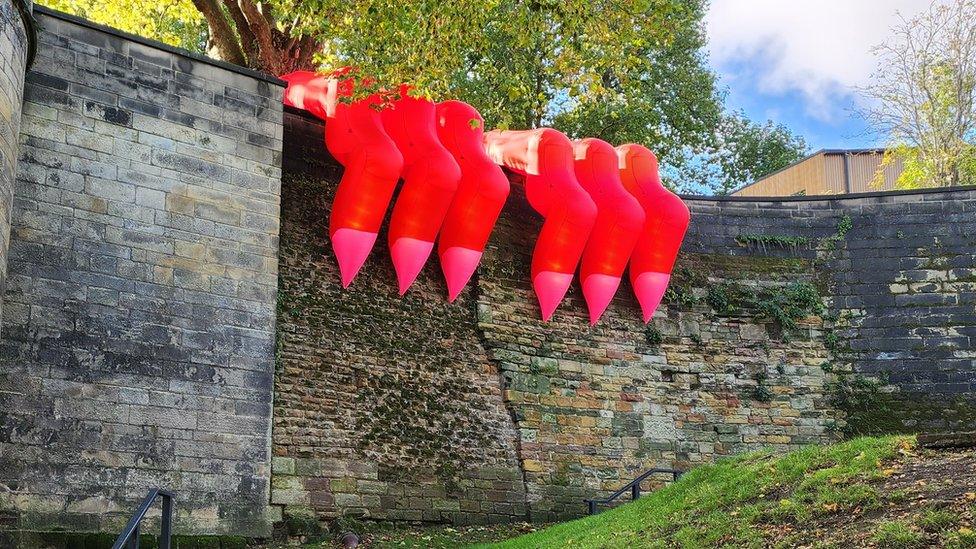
pixel 14 52
pixel 146 285
pixel 578 410
pixel 138 330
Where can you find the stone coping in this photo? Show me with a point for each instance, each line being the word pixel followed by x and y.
pixel 258 75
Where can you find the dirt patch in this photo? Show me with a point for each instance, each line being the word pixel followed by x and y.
pixel 932 493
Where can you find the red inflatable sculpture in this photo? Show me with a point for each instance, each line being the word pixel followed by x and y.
pixel 618 224
pixel 599 204
pixel 664 228
pixel 354 135
pixel 430 181
pixel 545 157
pixel 481 194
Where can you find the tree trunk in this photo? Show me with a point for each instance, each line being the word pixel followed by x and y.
pixel 243 32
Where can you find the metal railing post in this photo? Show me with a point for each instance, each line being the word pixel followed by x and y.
pixel 633 486
pixel 129 538
pixel 166 523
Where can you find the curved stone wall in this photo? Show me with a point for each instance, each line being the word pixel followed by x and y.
pixel 15 47
pixel 788 322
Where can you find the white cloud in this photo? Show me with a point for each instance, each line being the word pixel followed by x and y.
pixel 820 49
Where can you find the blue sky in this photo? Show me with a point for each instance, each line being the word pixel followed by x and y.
pixel 799 62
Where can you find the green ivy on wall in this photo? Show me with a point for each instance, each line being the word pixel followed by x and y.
pixel 782 305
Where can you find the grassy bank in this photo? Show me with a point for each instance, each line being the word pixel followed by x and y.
pixel 869 492
pixel 859 493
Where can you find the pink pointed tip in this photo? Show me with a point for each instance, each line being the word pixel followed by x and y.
pixel 550 287
pixel 409 256
pixel 598 291
pixel 649 288
pixel 458 265
pixel 351 249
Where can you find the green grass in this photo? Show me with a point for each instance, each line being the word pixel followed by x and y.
pixel 963 539
pixel 937 520
pixel 897 535
pixel 734 501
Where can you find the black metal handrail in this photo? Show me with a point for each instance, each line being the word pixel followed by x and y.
pixel 129 538
pixel 633 486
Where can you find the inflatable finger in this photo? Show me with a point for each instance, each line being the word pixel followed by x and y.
pixel 430 180
pixel 618 225
pixel 481 194
pixel 355 136
pixel 545 157
pixel 664 227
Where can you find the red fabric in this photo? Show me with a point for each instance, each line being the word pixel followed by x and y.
pixel 355 136
pixel 457 190
pixel 482 191
pixel 618 224
pixel 430 181
pixel 545 157
pixel 666 223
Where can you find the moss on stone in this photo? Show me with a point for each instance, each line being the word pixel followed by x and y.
pixel 765 241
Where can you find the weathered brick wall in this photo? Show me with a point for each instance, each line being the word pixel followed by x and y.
pixel 138 331
pixel 599 405
pixel 13 60
pixel 391 407
pixel 385 407
pixel 789 322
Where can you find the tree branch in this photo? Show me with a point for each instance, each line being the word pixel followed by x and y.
pixel 260 27
pixel 248 41
pixel 221 33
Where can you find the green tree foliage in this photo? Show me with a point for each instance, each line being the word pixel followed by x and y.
pixel 175 22
pixel 747 150
pixel 923 96
pixel 670 102
pixel 621 70
pixel 918 171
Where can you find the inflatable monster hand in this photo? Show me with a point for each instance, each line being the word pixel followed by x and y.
pixel 481 194
pixel 618 224
pixel 664 227
pixel 454 190
pixel 354 135
pixel 430 181
pixel 545 157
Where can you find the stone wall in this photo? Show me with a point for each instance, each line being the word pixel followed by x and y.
pixel 899 274
pixel 597 406
pixel 386 408
pixel 411 407
pixel 138 330
pixel 14 48
pixel 789 321
pixel 137 343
